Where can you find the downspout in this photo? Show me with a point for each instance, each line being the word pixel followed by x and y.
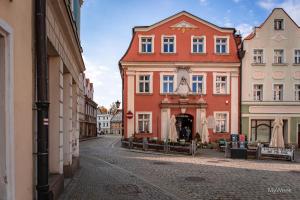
pixel 42 102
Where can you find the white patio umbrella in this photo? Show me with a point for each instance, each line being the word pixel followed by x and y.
pixel 204 132
pixel 277 134
pixel 172 129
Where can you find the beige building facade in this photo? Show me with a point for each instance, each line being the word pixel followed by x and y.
pixel 18 128
pixel 271 79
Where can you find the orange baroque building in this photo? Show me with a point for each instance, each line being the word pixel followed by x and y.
pixel 182 68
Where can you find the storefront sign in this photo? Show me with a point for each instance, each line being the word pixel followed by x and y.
pixel 277 151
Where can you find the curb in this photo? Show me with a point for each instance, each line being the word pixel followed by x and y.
pixel 89 138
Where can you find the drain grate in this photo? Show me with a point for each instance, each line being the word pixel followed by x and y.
pixel 161 163
pixel 126 189
pixel 194 179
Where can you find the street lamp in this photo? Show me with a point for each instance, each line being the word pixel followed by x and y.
pixel 118 103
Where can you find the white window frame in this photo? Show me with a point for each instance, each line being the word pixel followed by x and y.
pixel 283 26
pixel 227 44
pixel 296 56
pixel 204 43
pixel 262 92
pixel 263 56
pixel 283 57
pixel 227 121
pixel 162 74
pixel 297 91
pixel 162 43
pixel 137 121
pixel 215 74
pixel 273 90
pixel 140 43
pixel 137 77
pixel 6 32
pixel 203 82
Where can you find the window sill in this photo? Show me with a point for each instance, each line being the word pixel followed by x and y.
pixel 222 54
pixel 226 132
pixel 216 94
pixel 198 53
pixel 144 94
pixel 296 64
pixel 280 64
pixel 141 133
pixel 146 53
pixel 168 53
pixel 171 94
pixel 258 64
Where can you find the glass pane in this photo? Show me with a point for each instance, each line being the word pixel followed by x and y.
pixel 171 87
pixel 200 48
pixel 171 48
pixel 141 87
pixel 223 48
pixel 166 48
pixel 171 39
pixel 141 78
pixel 143 47
pixel 200 87
pixel 146 126
pixel 194 48
pixel 147 77
pixel 165 87
pixel 218 49
pixel 149 48
pixel 263 133
pixel 194 87
pixel 171 78
pixel 140 126
pixel 147 89
pixel 165 78
pixel 194 78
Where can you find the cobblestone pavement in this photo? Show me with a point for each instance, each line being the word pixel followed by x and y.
pixel 111 172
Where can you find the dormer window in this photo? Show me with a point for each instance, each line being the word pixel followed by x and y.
pixel 221 44
pixel 146 44
pixel 278 24
pixel 168 44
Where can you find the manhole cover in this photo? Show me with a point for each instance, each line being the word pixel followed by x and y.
pixel 195 179
pixel 161 163
pixel 126 189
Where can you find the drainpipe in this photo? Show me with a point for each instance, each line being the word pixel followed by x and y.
pixel 42 102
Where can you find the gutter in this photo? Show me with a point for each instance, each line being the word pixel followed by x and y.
pixel 42 102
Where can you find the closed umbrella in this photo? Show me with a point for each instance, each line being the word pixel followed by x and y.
pixel 204 132
pixel 172 130
pixel 277 134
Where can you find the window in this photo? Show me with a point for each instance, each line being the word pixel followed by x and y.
pixel 168 45
pixel 221 122
pixel 168 83
pixel 297 92
pixel 146 45
pixel 221 84
pixel 297 56
pixel 258 92
pixel 197 84
pixel 198 45
pixel 278 92
pixel 258 56
pixel 278 24
pixel 278 56
pixel 221 45
pixel 144 83
pixel 144 122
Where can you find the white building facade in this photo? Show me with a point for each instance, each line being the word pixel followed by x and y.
pixel 103 123
pixel 271 79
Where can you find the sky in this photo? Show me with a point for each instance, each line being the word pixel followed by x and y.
pixel 106 30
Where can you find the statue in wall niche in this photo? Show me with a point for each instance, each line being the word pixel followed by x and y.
pixel 183 88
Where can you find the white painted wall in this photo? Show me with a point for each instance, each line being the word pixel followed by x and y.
pixel 269 39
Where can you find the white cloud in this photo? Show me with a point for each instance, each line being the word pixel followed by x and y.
pixel 244 29
pixel 236 1
pixel 106 80
pixel 203 2
pixel 292 7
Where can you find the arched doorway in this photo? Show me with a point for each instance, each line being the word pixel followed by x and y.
pixel 184 126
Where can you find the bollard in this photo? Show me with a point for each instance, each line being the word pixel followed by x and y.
pixel 130 142
pixel 145 144
pixel 227 150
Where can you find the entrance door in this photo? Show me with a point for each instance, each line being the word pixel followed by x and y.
pixel 184 126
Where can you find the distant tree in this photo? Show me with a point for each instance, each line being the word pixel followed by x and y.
pixel 113 108
pixel 102 110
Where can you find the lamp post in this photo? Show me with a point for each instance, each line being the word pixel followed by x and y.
pixel 118 103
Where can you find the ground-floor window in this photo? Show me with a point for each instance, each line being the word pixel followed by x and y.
pixel 144 122
pixel 221 119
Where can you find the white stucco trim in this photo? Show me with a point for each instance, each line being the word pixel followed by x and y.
pixel 138 74
pixel 162 44
pixel 227 120
pixel 162 74
pixel 140 43
pixel 234 127
pixel 203 81
pixel 137 124
pixel 9 108
pixel 130 102
pixel 204 43
pixel 227 44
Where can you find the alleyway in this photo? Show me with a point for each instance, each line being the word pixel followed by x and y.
pixel 110 172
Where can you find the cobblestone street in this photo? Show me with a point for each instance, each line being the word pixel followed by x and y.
pixel 111 172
